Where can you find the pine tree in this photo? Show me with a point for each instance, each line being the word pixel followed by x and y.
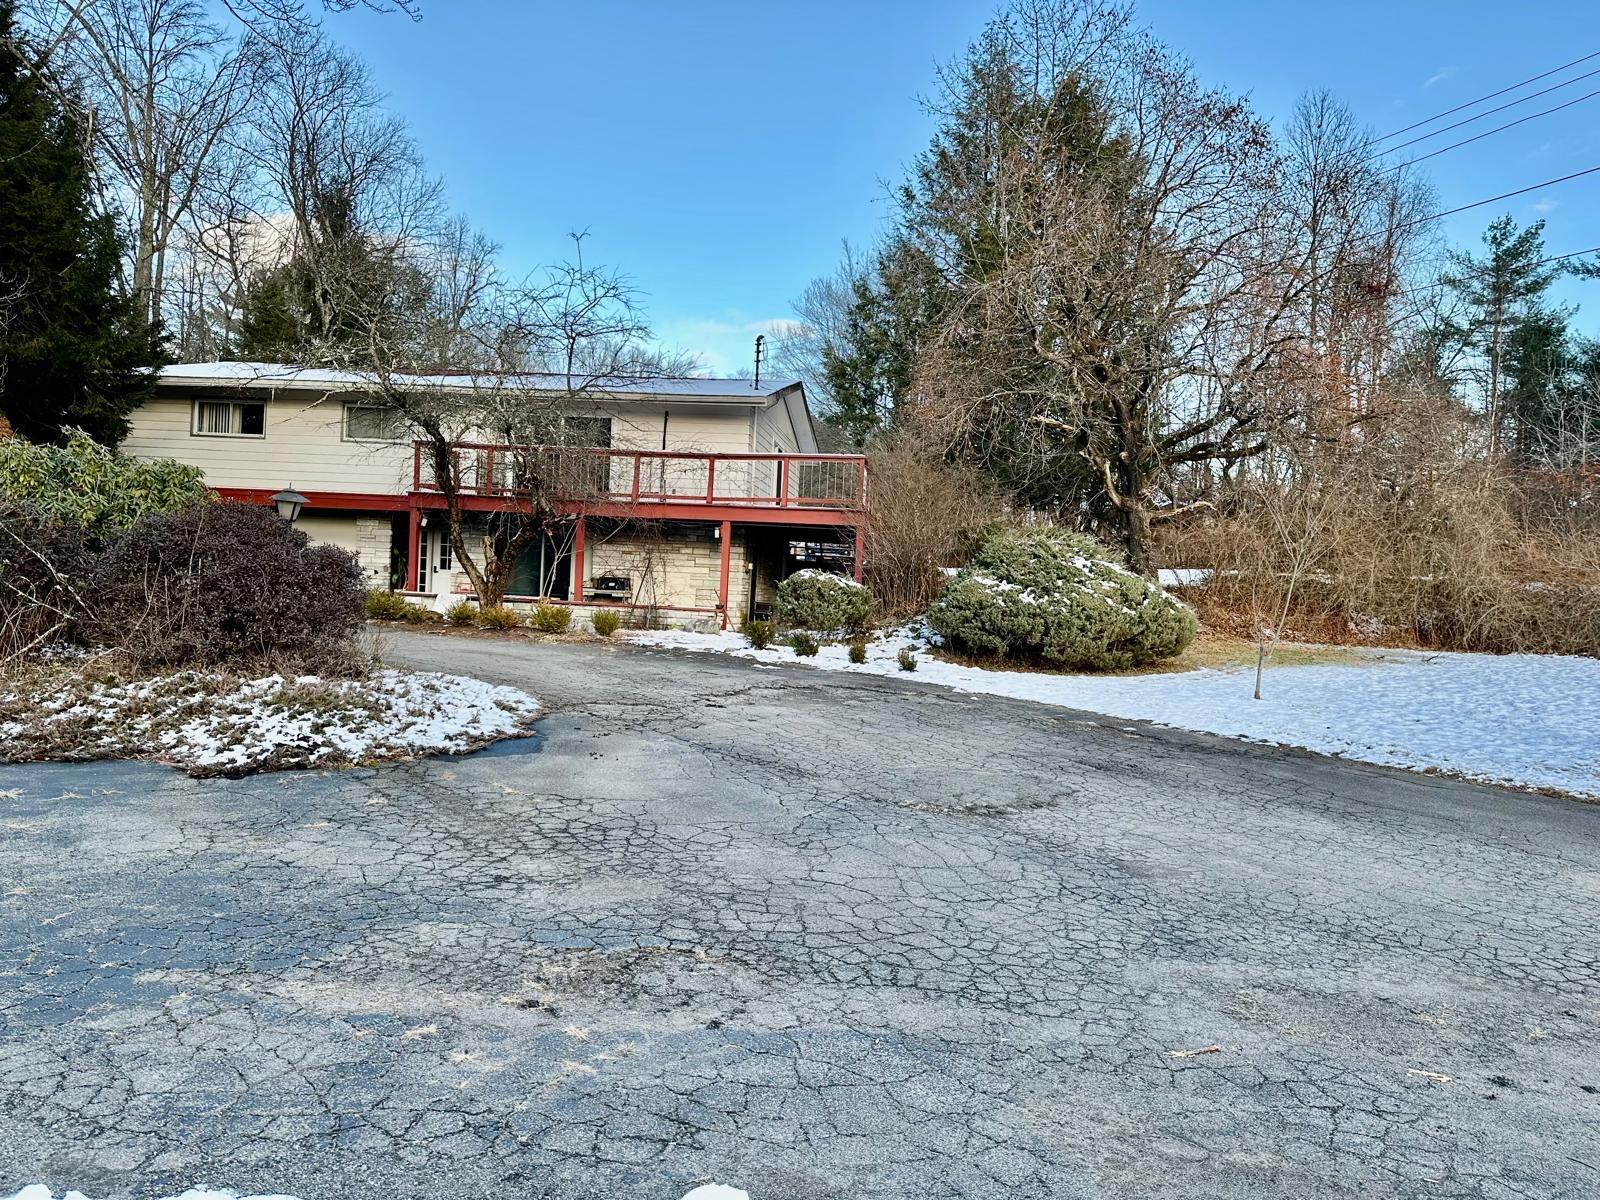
pixel 1501 293
pixel 73 350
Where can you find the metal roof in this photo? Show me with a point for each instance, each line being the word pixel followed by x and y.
pixel 279 375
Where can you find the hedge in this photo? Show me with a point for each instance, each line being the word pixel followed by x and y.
pixel 1049 596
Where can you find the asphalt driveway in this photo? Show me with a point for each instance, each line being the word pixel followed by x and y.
pixel 810 935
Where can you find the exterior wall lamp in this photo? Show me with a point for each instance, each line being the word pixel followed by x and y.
pixel 288 503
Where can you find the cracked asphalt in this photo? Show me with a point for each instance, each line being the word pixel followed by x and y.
pixel 806 934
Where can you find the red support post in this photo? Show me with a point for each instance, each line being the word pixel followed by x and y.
pixel 638 461
pixel 575 594
pixel 711 481
pixel 861 548
pixel 722 583
pixel 783 482
pixel 413 548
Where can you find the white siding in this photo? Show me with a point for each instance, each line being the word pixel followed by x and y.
pixel 302 445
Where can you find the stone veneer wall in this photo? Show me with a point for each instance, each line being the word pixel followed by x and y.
pixel 681 568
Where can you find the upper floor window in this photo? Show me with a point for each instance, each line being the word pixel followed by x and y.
pixel 587 431
pixel 373 423
pixel 230 418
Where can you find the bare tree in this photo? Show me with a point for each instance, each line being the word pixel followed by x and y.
pixel 165 85
pixel 493 382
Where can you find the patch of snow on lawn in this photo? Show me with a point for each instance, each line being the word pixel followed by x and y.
pixel 1528 720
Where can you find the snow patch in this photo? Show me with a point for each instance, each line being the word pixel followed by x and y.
pixel 38 1191
pixel 716 1191
pixel 1526 720
pixel 211 723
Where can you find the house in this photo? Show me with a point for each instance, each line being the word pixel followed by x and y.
pixel 699 495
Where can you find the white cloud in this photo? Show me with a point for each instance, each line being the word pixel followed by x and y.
pixel 1441 75
pixel 1543 206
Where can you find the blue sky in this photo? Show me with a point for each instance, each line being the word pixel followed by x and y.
pixel 719 153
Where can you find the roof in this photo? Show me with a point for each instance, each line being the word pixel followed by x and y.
pixel 278 375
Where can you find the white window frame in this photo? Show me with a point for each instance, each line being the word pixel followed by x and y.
pixel 236 418
pixel 344 424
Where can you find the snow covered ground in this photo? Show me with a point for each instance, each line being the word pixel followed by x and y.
pixel 213 723
pixel 1521 719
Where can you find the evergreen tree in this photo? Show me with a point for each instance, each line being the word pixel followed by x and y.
pixel 1501 293
pixel 342 289
pixel 74 351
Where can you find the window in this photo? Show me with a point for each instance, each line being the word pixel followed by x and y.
pixel 587 431
pixel 372 423
pixel 230 418
pixel 445 557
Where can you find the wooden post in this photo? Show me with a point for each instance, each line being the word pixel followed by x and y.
pixel 575 594
pixel 861 548
pixel 722 584
pixel 711 481
pixel 413 547
pixel 783 482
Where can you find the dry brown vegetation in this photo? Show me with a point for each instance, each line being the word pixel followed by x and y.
pixel 1461 561
pixel 923 508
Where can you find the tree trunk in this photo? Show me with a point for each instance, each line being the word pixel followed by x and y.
pixel 1136 534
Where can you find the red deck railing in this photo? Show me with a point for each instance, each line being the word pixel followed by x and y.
pixel 650 477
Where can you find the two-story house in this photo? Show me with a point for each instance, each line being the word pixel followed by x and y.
pixel 700 494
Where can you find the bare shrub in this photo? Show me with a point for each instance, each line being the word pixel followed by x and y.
pixel 45 567
pixel 920 510
pixel 1457 561
pixel 224 583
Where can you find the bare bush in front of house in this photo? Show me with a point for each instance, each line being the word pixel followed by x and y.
pixel 823 601
pixel 45 570
pixel 922 507
pixel 223 583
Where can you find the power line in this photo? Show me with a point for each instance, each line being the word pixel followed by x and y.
pixel 1439 283
pixel 1489 112
pixel 1470 103
pixel 1450 212
pixel 1497 129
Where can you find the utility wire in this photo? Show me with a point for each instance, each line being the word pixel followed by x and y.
pixel 1439 283
pixel 1497 129
pixel 1489 112
pixel 1449 112
pixel 1450 212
